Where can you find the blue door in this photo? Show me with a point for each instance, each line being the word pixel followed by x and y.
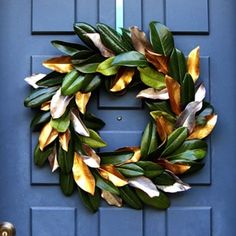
pixel 30 197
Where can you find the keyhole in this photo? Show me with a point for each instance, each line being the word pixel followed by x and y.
pixel 4 233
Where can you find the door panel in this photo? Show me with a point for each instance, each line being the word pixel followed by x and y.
pixel 30 196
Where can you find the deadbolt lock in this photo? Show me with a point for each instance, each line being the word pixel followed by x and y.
pixel 7 229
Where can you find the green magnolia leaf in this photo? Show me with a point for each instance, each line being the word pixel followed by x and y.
pixel 61 124
pixel 94 140
pixel 195 166
pixel 177 65
pixel 91 202
pixel 159 106
pixel 104 184
pixel 150 168
pixel 40 119
pixel 81 56
pixel 68 48
pixel 194 149
pixel 175 140
pixel 161 38
pixel 130 170
pixel 92 122
pixel 126 38
pixel 81 29
pixel 161 202
pixel 106 68
pixel 39 96
pixel 152 78
pixel 207 109
pixel 130 59
pixel 115 158
pixel 52 79
pixel 164 179
pixel 91 82
pixel 111 39
pixel 40 157
pixel 130 198
pixel 65 159
pixel 187 90
pixel 67 183
pixel 168 116
pixel 149 140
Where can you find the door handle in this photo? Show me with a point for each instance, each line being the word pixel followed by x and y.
pixel 7 229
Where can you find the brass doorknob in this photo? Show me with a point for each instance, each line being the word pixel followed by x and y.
pixel 7 229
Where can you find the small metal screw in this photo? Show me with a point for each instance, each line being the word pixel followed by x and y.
pixel 119 118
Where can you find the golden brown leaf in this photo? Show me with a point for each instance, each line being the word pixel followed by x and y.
pixel 164 127
pixel 173 88
pixel 92 159
pixel 111 198
pixel 110 173
pixel 177 169
pixel 139 40
pixel 193 63
pixel 159 61
pixel 201 132
pixel 137 153
pixel 82 175
pixel 123 79
pixel 47 136
pixel 60 64
pixel 81 100
pixel 64 139
pixel 152 93
pixel 45 106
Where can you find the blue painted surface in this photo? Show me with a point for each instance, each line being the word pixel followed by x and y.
pixel 31 199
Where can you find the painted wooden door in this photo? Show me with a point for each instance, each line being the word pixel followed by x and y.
pixel 30 197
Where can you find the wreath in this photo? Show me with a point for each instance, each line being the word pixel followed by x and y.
pixel 172 144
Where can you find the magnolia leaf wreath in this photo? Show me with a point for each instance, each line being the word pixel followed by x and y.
pixel 172 143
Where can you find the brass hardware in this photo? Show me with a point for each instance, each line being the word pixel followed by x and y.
pixel 7 229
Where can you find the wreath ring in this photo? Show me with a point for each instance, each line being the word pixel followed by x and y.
pixel 172 143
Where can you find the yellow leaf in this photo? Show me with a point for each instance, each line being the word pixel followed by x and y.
pixel 47 136
pixel 60 64
pixel 177 169
pixel 159 61
pixel 82 175
pixel 123 79
pixel 45 106
pixel 136 150
pixel 193 63
pixel 110 173
pixel 64 139
pixel 164 127
pixel 173 88
pixel 201 132
pixel 81 100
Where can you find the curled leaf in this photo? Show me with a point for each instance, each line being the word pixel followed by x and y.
pixel 177 169
pixel 96 39
pixel 33 79
pixel 110 173
pixel 122 80
pixel 45 106
pixel 59 104
pixel 78 124
pixel 81 100
pixel 91 159
pixel 152 93
pixel 139 39
pixel 187 117
pixel 111 198
pixel 52 159
pixel 164 127
pixel 200 132
pixel 136 156
pixel 193 63
pixel 178 186
pixel 173 88
pixel 145 184
pixel 60 64
pixel 64 139
pixel 82 175
pixel 47 136
pixel 159 61
pixel 200 93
